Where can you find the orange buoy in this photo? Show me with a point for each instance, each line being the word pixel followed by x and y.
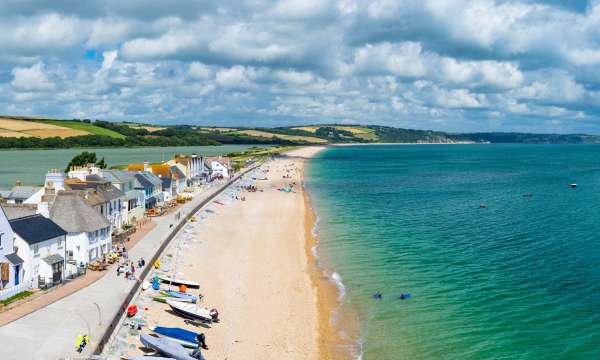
pixel 182 288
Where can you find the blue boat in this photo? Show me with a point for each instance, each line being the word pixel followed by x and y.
pixel 180 295
pixel 182 336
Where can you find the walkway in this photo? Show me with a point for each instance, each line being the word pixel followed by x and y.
pixel 50 333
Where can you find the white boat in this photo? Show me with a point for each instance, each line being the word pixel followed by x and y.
pixel 175 281
pixel 193 311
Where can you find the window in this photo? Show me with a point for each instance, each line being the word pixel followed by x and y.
pixel 1 234
pixel 60 243
pixel 36 250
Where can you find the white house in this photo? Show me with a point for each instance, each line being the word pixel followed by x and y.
pixel 218 167
pixel 88 231
pixel 41 244
pixel 11 265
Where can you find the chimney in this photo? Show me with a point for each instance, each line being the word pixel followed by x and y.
pixel 55 179
pixel 146 165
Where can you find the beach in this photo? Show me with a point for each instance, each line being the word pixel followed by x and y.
pixel 254 262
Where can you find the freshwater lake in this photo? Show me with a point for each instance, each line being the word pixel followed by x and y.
pixel 30 166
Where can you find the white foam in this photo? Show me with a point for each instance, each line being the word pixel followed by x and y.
pixel 337 280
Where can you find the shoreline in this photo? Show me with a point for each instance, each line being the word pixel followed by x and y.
pixel 329 308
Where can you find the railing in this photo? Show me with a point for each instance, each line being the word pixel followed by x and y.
pixel 12 291
pixel 116 320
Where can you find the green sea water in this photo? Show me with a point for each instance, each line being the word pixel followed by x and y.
pixel 517 279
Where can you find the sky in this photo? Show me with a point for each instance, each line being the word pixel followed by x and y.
pixel 450 65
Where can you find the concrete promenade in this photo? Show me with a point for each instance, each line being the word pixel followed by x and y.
pixel 51 332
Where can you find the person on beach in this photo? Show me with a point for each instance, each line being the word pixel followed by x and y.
pixel 132 269
pixel 143 262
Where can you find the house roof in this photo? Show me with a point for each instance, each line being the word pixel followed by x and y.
pixel 149 178
pixel 161 170
pixel 110 193
pixel 135 167
pixel 36 228
pixel 14 211
pixel 71 213
pixel 143 180
pixel 14 259
pixel 23 192
pixel 178 174
pixel 117 176
pixel 94 177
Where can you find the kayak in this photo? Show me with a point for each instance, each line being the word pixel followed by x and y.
pixel 184 337
pixel 166 347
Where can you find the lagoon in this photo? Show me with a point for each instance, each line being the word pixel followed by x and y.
pixel 30 166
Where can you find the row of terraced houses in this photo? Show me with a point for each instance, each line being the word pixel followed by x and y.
pixel 50 233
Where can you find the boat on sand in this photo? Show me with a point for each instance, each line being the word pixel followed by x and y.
pixel 166 347
pixel 175 281
pixel 193 311
pixel 181 336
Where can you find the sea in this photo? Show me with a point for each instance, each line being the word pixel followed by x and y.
pixel 499 253
pixel 30 166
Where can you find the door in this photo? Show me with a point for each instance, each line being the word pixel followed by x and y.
pixel 17 272
pixel 57 272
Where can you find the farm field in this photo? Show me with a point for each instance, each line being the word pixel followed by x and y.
pixel 25 128
pixel 265 134
pixel 45 128
pixel 357 131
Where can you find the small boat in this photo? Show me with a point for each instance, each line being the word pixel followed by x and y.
pixel 164 299
pixel 573 185
pixel 193 311
pixel 146 285
pixel 218 202
pixel 181 336
pixel 175 281
pixel 180 295
pixel 167 347
pixel 193 219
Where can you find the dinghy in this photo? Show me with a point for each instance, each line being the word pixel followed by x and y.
pixel 164 299
pixel 193 311
pixel 174 281
pixel 181 336
pixel 180 295
pixel 167 347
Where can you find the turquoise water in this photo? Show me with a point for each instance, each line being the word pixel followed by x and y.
pixel 30 166
pixel 519 279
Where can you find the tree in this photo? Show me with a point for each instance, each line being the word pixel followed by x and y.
pixel 101 164
pixel 83 159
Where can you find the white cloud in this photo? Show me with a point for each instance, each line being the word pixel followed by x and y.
pixel 31 78
pixel 199 71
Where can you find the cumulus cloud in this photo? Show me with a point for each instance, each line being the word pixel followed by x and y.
pixel 444 64
pixel 31 78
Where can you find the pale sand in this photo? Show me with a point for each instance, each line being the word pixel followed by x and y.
pixel 254 265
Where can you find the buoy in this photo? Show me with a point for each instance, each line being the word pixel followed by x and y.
pixel 182 288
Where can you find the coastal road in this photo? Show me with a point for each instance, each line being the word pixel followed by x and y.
pixel 51 332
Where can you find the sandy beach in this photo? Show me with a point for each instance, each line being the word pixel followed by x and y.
pixel 253 261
